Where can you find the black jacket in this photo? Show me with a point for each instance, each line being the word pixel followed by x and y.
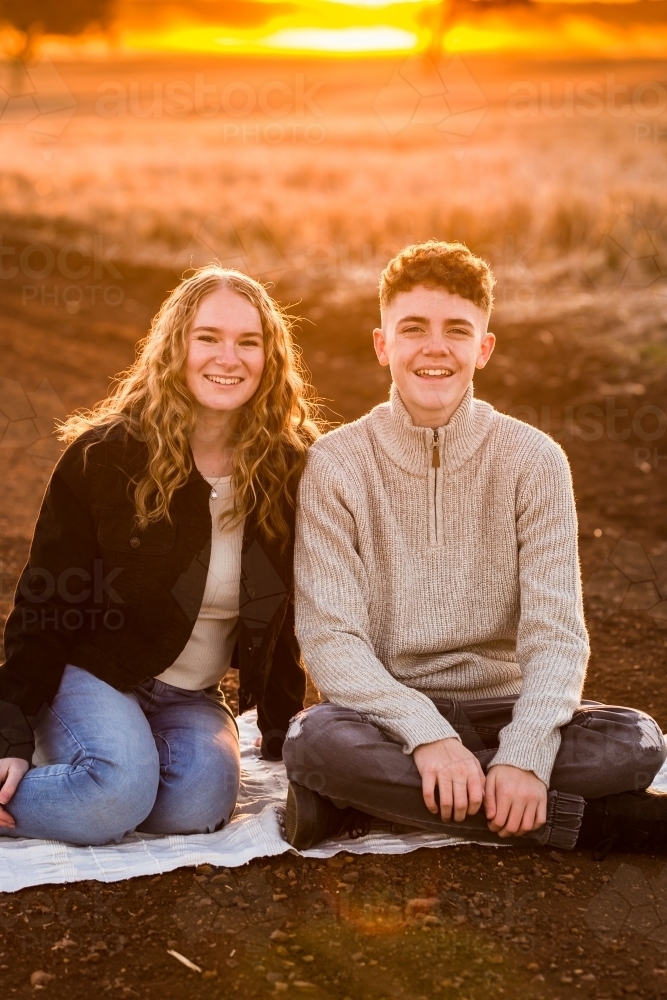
pixel 122 603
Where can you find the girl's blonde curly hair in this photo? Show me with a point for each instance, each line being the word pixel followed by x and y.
pixel 151 402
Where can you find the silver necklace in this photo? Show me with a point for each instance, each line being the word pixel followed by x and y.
pixel 214 492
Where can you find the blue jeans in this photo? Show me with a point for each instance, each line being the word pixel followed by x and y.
pixel 160 760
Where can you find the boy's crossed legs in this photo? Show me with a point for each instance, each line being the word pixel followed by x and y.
pixel 605 750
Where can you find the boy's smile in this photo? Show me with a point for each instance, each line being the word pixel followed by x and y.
pixel 432 341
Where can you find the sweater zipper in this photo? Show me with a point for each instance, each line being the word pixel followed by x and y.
pixel 435 463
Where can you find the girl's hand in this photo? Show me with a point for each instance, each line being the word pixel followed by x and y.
pixel 257 742
pixel 12 770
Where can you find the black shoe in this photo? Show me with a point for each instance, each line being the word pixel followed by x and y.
pixel 310 818
pixel 629 821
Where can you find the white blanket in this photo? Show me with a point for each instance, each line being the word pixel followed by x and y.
pixel 254 831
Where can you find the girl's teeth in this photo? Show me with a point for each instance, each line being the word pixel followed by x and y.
pixel 223 381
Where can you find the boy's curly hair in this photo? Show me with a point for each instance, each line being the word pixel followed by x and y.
pixel 436 264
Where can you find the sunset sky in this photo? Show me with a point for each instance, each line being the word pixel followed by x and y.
pixel 557 28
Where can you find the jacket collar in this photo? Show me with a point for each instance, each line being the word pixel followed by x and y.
pixel 411 447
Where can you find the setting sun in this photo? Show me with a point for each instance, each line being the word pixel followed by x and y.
pixel 553 28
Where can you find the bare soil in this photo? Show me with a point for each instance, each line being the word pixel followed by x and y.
pixel 466 922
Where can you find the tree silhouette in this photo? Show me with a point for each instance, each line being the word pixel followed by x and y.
pixel 32 18
pixel 443 15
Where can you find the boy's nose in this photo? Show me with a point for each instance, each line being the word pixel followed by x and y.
pixel 436 347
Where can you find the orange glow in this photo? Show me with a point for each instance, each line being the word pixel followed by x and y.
pixel 343 27
pixel 383 38
pixel 188 38
pixel 316 26
pixel 375 920
pixel 573 36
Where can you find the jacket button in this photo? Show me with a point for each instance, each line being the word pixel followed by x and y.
pixel 251 592
pixel 135 542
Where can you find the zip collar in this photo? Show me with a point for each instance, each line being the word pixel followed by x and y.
pixel 411 447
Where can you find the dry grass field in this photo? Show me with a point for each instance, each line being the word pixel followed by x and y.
pixel 320 168
pixel 114 179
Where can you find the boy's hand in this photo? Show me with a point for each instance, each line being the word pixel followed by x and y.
pixel 456 773
pixel 515 801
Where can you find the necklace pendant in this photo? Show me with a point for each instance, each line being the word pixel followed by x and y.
pixel 214 495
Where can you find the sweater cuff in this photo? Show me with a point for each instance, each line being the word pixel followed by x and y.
pixel 530 749
pixel 417 731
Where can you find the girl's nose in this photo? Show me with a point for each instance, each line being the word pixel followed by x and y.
pixel 225 354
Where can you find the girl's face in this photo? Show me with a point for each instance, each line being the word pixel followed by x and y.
pixel 225 357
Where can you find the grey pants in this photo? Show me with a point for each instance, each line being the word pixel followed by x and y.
pixel 604 750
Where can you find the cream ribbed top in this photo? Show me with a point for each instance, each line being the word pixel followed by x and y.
pixel 415 582
pixel 206 658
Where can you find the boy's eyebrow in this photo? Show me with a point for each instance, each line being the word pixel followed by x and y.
pixel 412 319
pixel 425 319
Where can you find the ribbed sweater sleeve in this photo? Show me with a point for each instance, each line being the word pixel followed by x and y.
pixel 552 643
pixel 332 619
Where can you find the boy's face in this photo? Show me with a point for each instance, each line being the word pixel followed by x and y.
pixel 432 341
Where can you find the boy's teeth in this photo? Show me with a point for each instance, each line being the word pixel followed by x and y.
pixel 434 371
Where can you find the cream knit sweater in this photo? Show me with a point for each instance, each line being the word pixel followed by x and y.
pixel 208 653
pixel 462 581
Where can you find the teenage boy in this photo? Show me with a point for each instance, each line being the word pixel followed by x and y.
pixel 439 607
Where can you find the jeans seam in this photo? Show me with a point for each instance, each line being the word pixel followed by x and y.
pixel 151 696
pixel 87 761
pixel 583 719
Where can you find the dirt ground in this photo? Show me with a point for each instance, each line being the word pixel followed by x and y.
pixel 465 922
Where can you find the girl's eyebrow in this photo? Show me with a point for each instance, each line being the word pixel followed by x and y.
pixel 216 329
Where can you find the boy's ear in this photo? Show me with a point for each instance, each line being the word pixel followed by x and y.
pixel 485 349
pixel 380 345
